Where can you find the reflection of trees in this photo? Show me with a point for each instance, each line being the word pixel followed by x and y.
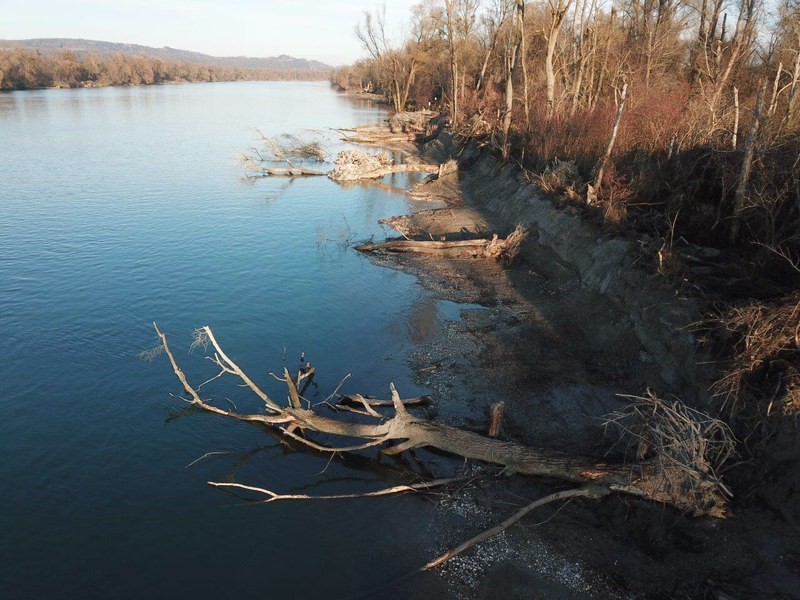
pixel 423 322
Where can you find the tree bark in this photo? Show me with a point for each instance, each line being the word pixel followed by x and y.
pixel 451 43
pixel 747 163
pixel 615 129
pixel 523 58
pixel 558 11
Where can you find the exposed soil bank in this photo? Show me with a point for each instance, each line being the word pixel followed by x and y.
pixel 563 332
pixel 605 265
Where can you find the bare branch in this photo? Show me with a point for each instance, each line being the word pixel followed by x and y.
pixel 394 490
pixel 235 368
pixel 497 529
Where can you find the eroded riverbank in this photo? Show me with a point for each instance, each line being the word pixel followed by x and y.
pixel 560 335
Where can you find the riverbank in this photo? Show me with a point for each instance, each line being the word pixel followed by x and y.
pixel 561 333
pixel 28 69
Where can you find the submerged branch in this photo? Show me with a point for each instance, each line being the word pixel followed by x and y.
pixel 390 491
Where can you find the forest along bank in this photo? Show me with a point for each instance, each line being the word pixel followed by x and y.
pixel 567 328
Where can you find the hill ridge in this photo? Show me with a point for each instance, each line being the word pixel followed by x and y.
pixel 84 46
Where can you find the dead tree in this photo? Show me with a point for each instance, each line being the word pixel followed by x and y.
pixel 501 249
pixel 513 45
pixel 263 160
pixel 397 64
pixel 747 163
pixel 688 484
pixel 558 12
pixel 601 165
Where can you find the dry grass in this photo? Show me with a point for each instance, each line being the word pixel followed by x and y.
pixel 765 338
pixel 557 176
pixel 687 447
pixel 513 243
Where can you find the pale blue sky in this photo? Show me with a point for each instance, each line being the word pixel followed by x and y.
pixel 313 29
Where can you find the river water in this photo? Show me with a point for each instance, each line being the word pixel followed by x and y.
pixel 123 206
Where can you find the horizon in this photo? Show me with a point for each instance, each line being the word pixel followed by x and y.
pixel 312 30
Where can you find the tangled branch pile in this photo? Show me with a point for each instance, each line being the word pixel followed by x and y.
pixel 352 165
pixel 295 147
pixel 507 249
pixel 686 445
pixel 284 150
pixel 765 338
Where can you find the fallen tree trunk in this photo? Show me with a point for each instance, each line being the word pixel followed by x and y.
pixel 379 138
pixel 403 127
pixel 387 170
pixel 497 248
pixel 677 485
pixel 291 172
pixel 350 165
pixel 354 165
pixel 358 399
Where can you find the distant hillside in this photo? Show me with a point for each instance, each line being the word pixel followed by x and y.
pixel 275 63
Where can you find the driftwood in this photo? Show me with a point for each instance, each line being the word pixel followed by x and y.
pixel 358 400
pixel 379 137
pixel 388 170
pixel 694 492
pixel 290 172
pixel 350 165
pixel 354 165
pixel 283 152
pixel 497 248
pixel 402 128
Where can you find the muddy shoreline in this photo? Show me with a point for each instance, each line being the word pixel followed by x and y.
pixel 556 337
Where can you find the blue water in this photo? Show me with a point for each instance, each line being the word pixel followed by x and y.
pixel 123 206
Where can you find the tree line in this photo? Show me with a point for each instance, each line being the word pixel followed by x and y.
pixel 24 69
pixel 709 90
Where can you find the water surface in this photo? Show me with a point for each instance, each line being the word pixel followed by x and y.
pixel 123 206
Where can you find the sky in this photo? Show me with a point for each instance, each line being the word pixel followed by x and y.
pixel 313 29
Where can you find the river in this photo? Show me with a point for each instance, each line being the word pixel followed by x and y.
pixel 123 206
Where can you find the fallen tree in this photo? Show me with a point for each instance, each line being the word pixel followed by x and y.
pixel 283 150
pixel 685 479
pixel 289 172
pixel 349 165
pixel 353 165
pixel 402 128
pixel 496 247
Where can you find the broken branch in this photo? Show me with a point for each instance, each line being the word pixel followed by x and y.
pixel 497 529
pixel 390 491
pixel 497 248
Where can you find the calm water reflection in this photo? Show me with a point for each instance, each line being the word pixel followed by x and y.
pixel 120 206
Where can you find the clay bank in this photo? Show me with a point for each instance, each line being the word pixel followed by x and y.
pixel 571 338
